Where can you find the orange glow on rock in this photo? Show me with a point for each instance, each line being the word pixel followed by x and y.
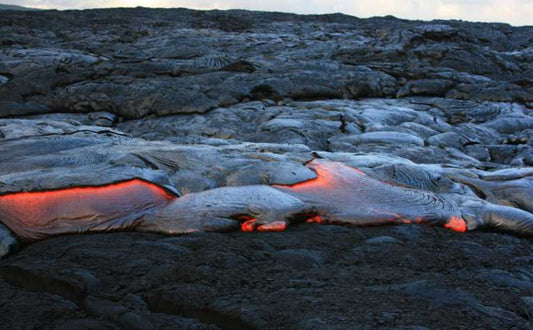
pixel 84 208
pixel 276 226
pixel 249 225
pixel 456 224
pixel 315 219
pixel 344 194
pixel 339 194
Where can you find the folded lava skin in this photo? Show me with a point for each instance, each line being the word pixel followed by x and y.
pixel 346 195
pixel 339 194
pixel 36 215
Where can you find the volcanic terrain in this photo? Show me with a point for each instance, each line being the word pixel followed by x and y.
pixel 180 169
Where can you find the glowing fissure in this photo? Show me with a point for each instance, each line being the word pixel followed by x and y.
pixel 81 207
pixel 122 185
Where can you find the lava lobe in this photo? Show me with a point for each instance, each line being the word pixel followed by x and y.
pixel 339 194
pixel 33 215
pixel 343 194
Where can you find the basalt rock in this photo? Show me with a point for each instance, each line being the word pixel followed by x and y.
pixel 134 67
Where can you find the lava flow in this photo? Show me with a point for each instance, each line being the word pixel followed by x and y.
pixel 250 224
pixel 79 209
pixel 456 224
pixel 340 194
pixel 343 194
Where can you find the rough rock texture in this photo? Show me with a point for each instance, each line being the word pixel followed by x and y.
pixel 310 277
pixel 136 62
pixel 193 101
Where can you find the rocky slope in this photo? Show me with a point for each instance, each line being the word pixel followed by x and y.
pixel 195 100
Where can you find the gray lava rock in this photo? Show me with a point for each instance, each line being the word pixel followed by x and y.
pixel 3 80
pixel 8 243
pixel 300 258
pixel 429 87
pixel 528 306
pixel 502 278
pixel 136 75
pixel 369 83
pixel 383 240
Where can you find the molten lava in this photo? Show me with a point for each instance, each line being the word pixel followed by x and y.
pixel 339 194
pixel 343 194
pixel 276 226
pixel 83 208
pixel 326 178
pixel 456 224
pixel 315 219
pixel 249 225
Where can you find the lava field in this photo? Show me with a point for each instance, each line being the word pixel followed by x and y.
pixel 181 169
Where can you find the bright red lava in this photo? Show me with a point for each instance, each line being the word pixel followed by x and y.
pixel 44 207
pixel 85 207
pixel 456 224
pixel 334 180
pixel 249 225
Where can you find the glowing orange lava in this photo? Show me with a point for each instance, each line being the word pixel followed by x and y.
pixel 456 224
pixel 276 226
pixel 315 219
pixel 343 194
pixel 325 180
pixel 249 225
pixel 339 194
pixel 92 205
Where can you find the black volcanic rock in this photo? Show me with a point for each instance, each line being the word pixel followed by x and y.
pixel 136 62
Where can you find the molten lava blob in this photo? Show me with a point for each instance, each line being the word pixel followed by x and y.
pixel 343 194
pixel 276 226
pixel 249 225
pixel 35 215
pixel 315 219
pixel 456 224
